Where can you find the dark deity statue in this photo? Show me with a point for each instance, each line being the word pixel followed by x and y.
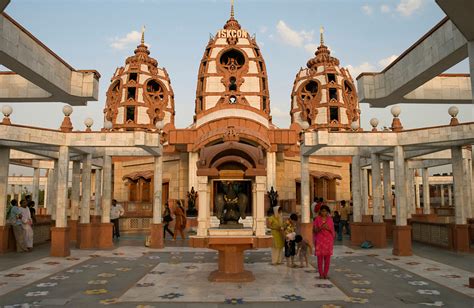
pixel 192 196
pixel 273 196
pixel 230 205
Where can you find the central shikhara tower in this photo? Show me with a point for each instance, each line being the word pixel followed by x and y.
pixel 231 136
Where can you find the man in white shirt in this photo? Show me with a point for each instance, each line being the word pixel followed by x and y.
pixel 116 211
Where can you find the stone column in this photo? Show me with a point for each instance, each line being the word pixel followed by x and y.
pixel 75 196
pixel 426 192
pixel 461 229
pixel 156 229
pixel 261 189
pixel 271 170
pixel 365 195
pixel 60 233
pixel 472 180
pixel 4 164
pixel 192 170
pixel 417 193
pixel 254 207
pixel 85 239
pixel 54 192
pixel 12 192
pixel 410 187
pixel 356 191
pixel 105 227
pixel 203 211
pixel 20 192
pixel 51 190
pixel 376 189
pixel 36 183
pixel 467 183
pixel 305 202
pixel 442 195
pixel 387 190
pixel 46 194
pixel 401 232
pixel 98 194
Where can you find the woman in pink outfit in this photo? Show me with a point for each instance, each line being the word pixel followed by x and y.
pixel 323 232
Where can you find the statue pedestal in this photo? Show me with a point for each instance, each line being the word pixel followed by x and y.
pixel 231 259
pixel 231 245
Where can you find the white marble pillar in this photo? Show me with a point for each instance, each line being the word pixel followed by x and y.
pixel 458 174
pixel 271 170
pixel 54 191
pixel 75 189
pixel 157 189
pixel 36 183
pixel 46 193
pixel 50 196
pixel 254 206
pixel 410 191
pixel 417 194
pixel 472 181
pixel 356 191
pixel 4 164
pixel 305 202
pixel 62 187
pixel 98 193
pixel 364 191
pixel 203 211
pixel 442 195
pixel 20 192
pixel 467 183
pixel 376 188
pixel 400 185
pixel 387 190
pixel 86 188
pixel 106 189
pixel 261 189
pixel 193 158
pixel 426 191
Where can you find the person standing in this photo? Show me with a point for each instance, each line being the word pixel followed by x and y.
pixel 31 206
pixel 275 224
pixel 344 222
pixel 116 210
pixel 167 219
pixel 302 250
pixel 323 229
pixel 313 207
pixel 27 222
pixel 14 218
pixel 290 236
pixel 180 223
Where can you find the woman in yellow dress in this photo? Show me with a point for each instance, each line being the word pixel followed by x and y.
pixel 275 223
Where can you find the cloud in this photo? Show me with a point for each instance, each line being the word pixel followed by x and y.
pixel 128 40
pixel 367 9
pixel 385 8
pixel 278 113
pixel 383 63
pixel 408 7
pixel 369 67
pixel 301 39
pixel 364 67
pixel 292 37
pixel 263 29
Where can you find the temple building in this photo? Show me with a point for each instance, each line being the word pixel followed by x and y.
pixel 232 136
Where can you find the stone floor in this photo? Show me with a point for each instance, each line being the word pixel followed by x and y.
pixel 132 275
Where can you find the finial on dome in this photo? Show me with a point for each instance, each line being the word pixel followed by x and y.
pixel 321 33
pixel 231 8
pixel 143 35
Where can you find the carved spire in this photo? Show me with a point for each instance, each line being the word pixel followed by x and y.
pixel 231 8
pixel 143 35
pixel 232 23
pixel 321 33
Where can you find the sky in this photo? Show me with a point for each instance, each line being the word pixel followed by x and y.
pixel 364 35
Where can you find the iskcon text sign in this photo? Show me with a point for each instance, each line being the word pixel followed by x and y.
pixel 227 33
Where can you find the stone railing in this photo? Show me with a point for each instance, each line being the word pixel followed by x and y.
pixel 436 234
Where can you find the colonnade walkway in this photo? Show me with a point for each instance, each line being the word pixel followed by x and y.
pixel 131 275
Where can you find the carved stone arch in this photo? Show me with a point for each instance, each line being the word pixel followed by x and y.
pixel 308 97
pixel 114 96
pixel 156 96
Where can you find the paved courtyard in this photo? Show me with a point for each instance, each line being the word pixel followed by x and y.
pixel 135 276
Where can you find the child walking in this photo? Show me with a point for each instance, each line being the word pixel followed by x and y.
pixel 302 250
pixel 323 230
